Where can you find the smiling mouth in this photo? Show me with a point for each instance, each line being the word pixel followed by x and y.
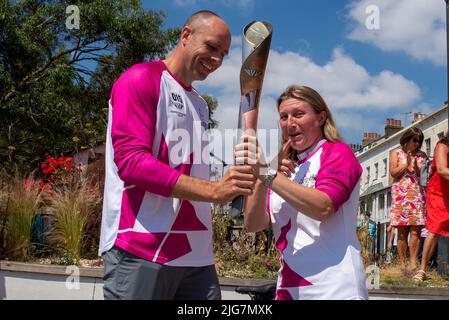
pixel 207 67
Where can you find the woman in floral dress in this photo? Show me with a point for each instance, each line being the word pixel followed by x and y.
pixel 408 199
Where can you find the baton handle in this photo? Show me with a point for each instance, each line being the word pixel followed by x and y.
pixel 237 207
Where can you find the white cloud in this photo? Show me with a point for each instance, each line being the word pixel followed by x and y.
pixel 416 27
pixel 425 108
pixel 358 123
pixel 342 82
pixel 348 88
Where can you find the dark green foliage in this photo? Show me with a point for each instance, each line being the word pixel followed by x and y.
pixel 55 82
pixel 212 103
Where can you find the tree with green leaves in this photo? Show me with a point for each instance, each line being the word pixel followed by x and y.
pixel 212 104
pixel 55 81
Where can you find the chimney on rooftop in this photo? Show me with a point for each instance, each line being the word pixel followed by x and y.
pixel 369 137
pixel 418 116
pixel 392 126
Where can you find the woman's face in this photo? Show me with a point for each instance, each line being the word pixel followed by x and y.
pixel 412 145
pixel 300 123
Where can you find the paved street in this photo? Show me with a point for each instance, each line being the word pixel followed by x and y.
pixel 23 281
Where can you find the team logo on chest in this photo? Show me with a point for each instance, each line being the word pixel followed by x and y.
pixel 308 180
pixel 305 176
pixel 177 105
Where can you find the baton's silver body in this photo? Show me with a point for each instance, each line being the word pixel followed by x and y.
pixel 254 63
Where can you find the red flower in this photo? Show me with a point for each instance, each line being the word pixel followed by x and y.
pixel 52 162
pixel 48 170
pixel 59 169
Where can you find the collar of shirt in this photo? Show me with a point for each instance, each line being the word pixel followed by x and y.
pixel 310 150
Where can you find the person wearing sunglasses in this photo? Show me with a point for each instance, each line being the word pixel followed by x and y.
pixel 407 211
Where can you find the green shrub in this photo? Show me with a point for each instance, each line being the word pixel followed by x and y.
pixel 71 205
pixel 23 200
pixel 364 239
pixel 241 254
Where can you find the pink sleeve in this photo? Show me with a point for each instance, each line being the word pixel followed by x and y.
pixel 134 100
pixel 339 173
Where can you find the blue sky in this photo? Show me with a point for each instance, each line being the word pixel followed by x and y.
pixel 365 75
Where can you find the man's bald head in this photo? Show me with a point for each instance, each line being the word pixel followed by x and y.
pixel 202 18
pixel 202 14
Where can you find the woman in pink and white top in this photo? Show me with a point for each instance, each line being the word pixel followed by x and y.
pixel 311 202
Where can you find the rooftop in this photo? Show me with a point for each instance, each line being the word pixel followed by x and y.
pixel 377 143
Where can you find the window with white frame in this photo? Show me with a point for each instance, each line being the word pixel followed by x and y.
pixel 382 211
pixel 367 177
pixel 388 200
pixel 427 142
pixel 385 167
pixel 376 171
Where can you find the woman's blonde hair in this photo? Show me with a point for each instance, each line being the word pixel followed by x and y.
pixel 313 98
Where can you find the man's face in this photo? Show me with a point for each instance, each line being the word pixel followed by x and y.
pixel 206 48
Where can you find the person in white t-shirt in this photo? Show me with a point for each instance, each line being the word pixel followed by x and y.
pixel 156 231
pixel 311 202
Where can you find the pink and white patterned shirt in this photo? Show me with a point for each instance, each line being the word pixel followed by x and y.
pixel 321 260
pixel 154 135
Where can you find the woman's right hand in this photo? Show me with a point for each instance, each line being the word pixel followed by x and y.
pixel 409 159
pixel 411 162
pixel 285 165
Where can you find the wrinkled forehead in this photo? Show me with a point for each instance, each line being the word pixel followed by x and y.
pixel 217 33
pixel 292 104
pixel 211 25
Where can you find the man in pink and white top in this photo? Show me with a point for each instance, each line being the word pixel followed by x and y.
pixel 156 235
pixel 311 202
